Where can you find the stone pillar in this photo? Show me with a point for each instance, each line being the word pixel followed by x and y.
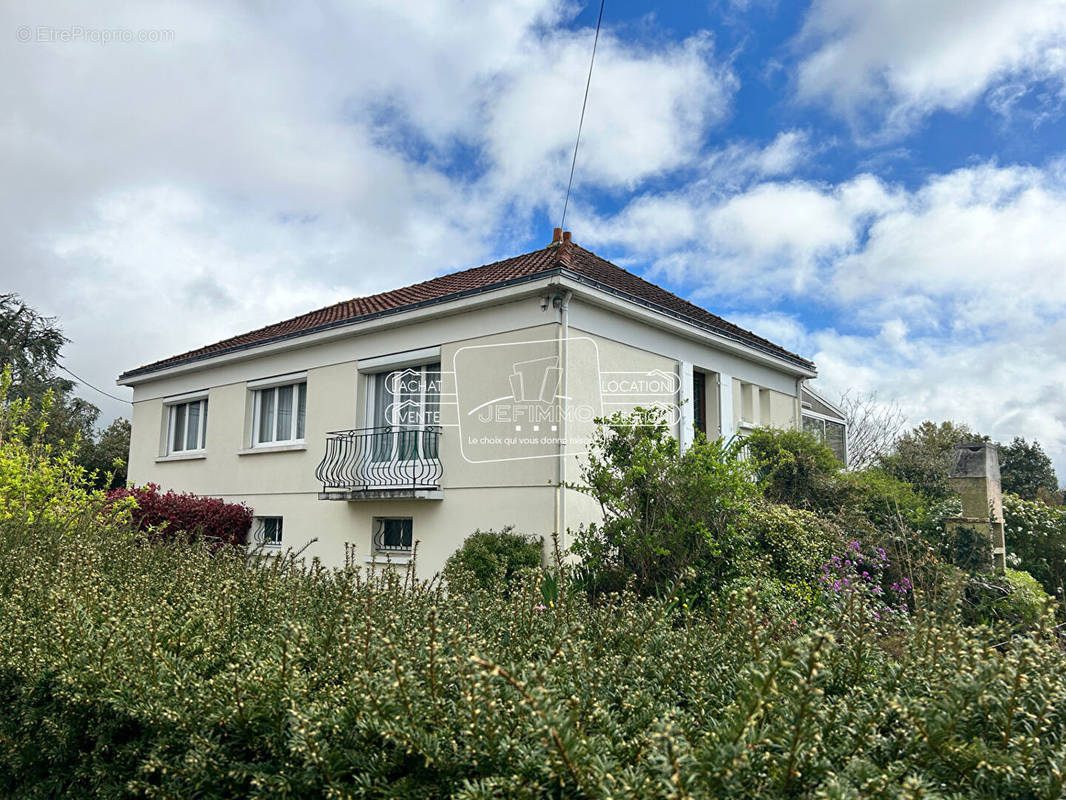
pixel 975 477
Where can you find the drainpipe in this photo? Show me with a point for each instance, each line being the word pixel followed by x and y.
pixel 562 302
pixel 799 403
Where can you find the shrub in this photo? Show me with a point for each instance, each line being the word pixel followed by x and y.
pixel 170 514
pixel 793 543
pixel 795 468
pixel 1036 536
pixel 494 559
pixel 886 501
pixel 664 511
pixel 1015 598
pixel 867 571
pixel 161 671
pixel 38 480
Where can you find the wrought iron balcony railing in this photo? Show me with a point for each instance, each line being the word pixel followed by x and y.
pixel 389 457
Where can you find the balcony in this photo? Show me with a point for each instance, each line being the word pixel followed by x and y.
pixel 382 463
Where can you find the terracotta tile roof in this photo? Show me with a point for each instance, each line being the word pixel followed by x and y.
pixel 562 258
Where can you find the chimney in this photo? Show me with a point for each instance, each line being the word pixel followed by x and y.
pixel 557 235
pixel 566 237
pixel 975 477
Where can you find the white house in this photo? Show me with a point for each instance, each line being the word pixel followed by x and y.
pixel 464 402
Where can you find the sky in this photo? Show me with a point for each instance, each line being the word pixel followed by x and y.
pixel 880 187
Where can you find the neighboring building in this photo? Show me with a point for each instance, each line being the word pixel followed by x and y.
pixel 826 422
pixel 463 402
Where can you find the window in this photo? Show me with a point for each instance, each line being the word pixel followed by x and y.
pixel 405 413
pixel 393 535
pixel 187 426
pixel 699 401
pixel 279 414
pixel 267 531
pixel 834 434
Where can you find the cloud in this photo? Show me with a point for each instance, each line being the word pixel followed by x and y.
pixel 885 66
pixel 773 239
pixel 253 166
pixel 948 298
pixel 738 163
pixel 1005 387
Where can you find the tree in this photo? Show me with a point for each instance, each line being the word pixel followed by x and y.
pixel 108 455
pixel 923 456
pixel 1026 469
pixel 873 427
pixel 31 343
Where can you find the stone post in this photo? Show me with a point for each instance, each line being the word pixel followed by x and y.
pixel 975 477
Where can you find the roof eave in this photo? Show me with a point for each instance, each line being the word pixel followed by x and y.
pixel 150 372
pixel 721 338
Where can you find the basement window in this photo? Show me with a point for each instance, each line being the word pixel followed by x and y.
pixel 393 535
pixel 267 532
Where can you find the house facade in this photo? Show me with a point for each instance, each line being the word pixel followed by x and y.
pixel 465 402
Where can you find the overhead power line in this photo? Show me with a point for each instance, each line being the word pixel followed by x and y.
pixel 81 380
pixel 581 122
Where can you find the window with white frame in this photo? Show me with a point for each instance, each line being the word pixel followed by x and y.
pixel 393 535
pixel 267 531
pixel 404 411
pixel 833 433
pixel 279 414
pixel 186 426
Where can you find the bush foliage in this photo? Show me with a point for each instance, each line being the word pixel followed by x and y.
pixel 794 468
pixel 165 671
pixel 137 662
pixel 494 559
pixel 1036 536
pixel 170 514
pixel 664 511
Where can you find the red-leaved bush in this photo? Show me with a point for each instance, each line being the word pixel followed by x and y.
pixel 172 514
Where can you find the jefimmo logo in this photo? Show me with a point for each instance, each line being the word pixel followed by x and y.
pixel 541 399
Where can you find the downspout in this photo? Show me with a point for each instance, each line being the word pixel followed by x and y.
pixel 563 353
pixel 798 422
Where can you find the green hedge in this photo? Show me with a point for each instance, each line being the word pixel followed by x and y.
pixel 129 669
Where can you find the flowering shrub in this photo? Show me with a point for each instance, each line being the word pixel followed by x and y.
pixel 168 514
pixel 1036 540
pixel 864 572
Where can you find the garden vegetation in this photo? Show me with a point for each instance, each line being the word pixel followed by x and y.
pixel 697 651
